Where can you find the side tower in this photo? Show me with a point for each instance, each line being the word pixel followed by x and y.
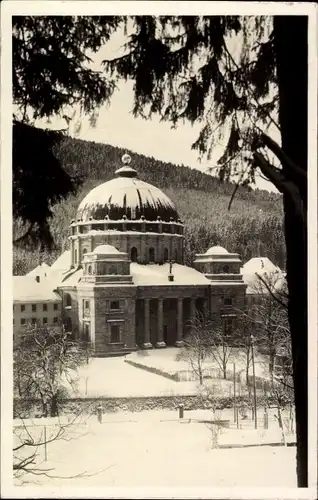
pixel 227 289
pixel 106 301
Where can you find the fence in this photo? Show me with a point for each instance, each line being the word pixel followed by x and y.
pixel 215 373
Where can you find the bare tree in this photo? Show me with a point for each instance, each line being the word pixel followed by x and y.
pixel 45 361
pixel 221 340
pixel 29 446
pixel 268 318
pixel 197 346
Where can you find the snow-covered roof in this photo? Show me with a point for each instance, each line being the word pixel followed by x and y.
pixel 260 265
pixel 106 249
pixel 216 250
pixel 72 279
pixel 127 196
pixel 40 270
pixel 258 269
pixel 63 262
pixel 27 289
pixel 156 274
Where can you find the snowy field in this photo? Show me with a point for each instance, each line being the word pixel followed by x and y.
pixel 114 377
pixel 155 449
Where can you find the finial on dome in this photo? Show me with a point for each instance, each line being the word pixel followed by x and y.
pixel 126 159
pixel 126 170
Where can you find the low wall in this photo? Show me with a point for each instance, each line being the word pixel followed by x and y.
pixel 152 369
pixel 32 408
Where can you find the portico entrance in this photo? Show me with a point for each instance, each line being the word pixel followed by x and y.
pixel 164 322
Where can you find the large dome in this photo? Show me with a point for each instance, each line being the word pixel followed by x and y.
pixel 127 196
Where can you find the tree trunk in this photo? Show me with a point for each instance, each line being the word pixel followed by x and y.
pixel 54 406
pixel 224 370
pixel 290 38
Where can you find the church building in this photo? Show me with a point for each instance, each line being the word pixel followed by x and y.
pixel 126 285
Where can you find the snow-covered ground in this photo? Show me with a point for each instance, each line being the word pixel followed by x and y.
pixel 114 377
pixel 156 449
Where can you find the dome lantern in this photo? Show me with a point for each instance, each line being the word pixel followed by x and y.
pixel 126 170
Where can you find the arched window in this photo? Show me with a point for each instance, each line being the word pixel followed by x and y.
pixel 89 270
pixel 151 254
pixel 113 270
pixel 75 256
pixel 133 254
pixel 68 300
pixel 166 255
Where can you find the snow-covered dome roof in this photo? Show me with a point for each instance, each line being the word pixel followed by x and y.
pixel 216 250
pixel 260 265
pixel 105 249
pixel 126 195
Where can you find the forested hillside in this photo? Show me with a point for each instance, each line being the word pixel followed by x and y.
pixel 252 227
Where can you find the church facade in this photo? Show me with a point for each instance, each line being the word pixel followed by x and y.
pixel 127 286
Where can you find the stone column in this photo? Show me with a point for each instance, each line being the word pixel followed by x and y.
pixel 192 312
pixel 160 341
pixel 146 344
pixel 179 342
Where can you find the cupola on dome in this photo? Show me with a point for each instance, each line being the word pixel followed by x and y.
pixel 126 196
pixel 106 249
pixel 216 250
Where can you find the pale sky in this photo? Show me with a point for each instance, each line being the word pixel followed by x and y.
pixel 117 126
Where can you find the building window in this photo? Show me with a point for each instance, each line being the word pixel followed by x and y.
pixel 44 307
pixel 114 334
pixel 151 254
pixel 133 254
pixel 55 320
pixel 89 270
pixel 113 270
pixel 33 321
pixel 86 305
pixel 68 300
pixel 22 308
pixel 228 326
pixel 13 307
pixel 13 321
pixel 75 256
pixel 176 255
pixel 33 307
pixel 114 305
pixel 227 301
pixel 55 307
pixel 44 321
pixel 166 255
pixel 68 324
pixel 22 321
pixel 87 332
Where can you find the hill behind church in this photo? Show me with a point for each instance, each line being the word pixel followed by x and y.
pixel 252 227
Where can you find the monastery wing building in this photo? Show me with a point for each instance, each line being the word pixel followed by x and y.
pixel 124 285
